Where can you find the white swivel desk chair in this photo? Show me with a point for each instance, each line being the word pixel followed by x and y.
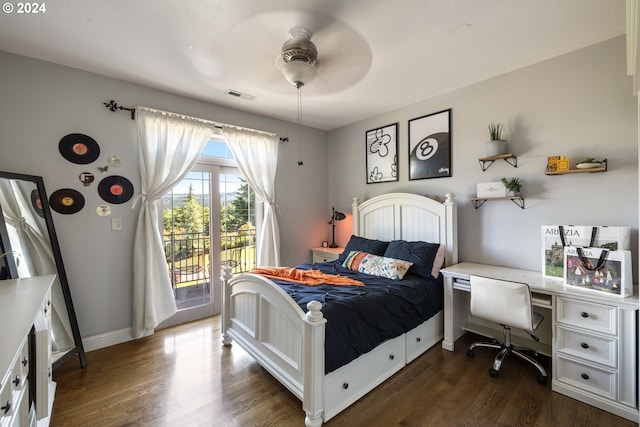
pixel 508 304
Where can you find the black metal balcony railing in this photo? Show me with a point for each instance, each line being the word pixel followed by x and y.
pixel 188 261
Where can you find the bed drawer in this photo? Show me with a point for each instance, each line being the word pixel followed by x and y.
pixel 424 336
pixel 349 383
pixel 585 377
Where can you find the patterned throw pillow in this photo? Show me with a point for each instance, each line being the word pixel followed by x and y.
pixel 376 265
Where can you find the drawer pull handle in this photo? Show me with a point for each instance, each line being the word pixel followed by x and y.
pixel 345 386
pixel 584 314
pixel 584 345
pixel 418 339
pixel 391 357
pixel 7 407
pixel 16 381
pixel 25 361
pixel 584 376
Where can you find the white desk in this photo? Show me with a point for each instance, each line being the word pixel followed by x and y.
pixel 591 337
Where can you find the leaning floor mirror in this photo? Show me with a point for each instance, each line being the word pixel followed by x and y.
pixel 30 247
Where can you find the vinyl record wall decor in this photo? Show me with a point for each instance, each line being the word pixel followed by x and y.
pixel 66 201
pixel 79 148
pixel 115 189
pixel 36 203
pixel 82 149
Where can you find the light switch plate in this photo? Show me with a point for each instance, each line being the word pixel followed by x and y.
pixel 116 224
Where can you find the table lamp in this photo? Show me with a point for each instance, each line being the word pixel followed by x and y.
pixel 335 216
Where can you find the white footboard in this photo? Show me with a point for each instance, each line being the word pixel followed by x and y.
pixel 270 326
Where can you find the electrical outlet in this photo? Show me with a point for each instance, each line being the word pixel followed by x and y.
pixel 116 224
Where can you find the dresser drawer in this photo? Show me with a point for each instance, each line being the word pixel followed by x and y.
pixel 586 377
pixel 600 349
pixel 14 387
pixel 596 317
pixel 323 257
pixel 7 405
pixel 325 254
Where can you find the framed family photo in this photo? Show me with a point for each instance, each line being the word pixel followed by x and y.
pixel 430 146
pixel 382 154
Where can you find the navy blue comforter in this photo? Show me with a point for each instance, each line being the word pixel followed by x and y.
pixel 361 317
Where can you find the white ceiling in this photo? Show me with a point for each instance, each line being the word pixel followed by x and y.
pixel 373 55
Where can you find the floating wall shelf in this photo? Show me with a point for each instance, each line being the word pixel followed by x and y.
pixel 602 168
pixel 479 201
pixel 486 162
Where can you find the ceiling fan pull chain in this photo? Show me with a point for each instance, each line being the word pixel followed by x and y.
pixel 300 163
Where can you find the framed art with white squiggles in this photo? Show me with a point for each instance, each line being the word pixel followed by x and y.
pixel 382 154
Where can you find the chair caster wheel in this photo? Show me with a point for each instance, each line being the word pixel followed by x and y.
pixel 493 373
pixel 470 353
pixel 542 379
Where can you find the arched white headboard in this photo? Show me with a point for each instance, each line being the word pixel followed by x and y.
pixel 411 217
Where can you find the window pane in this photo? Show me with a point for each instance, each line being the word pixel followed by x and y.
pixel 217 149
pixel 186 239
pixel 237 223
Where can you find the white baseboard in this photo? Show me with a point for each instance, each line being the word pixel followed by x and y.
pixel 108 339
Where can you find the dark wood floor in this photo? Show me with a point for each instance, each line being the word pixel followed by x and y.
pixel 183 376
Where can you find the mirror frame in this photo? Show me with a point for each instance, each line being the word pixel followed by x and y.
pixel 78 348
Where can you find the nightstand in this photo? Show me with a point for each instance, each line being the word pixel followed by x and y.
pixel 325 254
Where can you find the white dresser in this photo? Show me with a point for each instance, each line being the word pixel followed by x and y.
pixel 595 353
pixel 26 388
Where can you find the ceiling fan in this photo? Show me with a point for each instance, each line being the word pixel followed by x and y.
pixel 342 56
pixel 298 57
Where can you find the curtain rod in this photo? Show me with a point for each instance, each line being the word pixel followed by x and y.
pixel 113 106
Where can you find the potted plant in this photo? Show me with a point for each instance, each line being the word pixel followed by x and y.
pixel 496 146
pixel 513 186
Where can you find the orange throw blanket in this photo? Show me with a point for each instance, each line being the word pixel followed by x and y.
pixel 306 277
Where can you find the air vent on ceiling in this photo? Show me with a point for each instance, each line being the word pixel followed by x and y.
pixel 240 95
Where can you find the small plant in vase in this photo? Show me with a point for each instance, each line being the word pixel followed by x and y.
pixel 513 186
pixel 496 146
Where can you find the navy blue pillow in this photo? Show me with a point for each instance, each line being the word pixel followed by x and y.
pixel 421 254
pixel 357 243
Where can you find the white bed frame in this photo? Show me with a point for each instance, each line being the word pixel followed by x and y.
pixel 288 343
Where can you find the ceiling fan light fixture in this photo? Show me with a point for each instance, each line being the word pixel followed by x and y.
pixel 298 73
pixel 299 56
pixel 297 64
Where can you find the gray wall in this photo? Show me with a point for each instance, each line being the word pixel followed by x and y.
pixel 578 105
pixel 41 102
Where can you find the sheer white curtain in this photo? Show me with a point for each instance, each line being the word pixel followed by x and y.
pixel 256 154
pixel 29 239
pixel 168 146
